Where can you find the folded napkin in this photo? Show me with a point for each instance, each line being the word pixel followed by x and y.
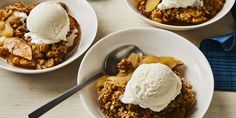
pixel 221 54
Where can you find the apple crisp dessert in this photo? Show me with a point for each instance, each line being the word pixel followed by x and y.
pixel 20 50
pixel 111 88
pixel 186 15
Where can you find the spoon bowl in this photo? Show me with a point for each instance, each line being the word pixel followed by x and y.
pixel 111 61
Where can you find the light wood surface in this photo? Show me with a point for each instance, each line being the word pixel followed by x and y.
pixel 21 94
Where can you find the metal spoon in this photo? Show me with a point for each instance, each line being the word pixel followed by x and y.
pixel 110 68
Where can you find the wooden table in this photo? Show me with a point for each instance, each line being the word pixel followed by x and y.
pixel 21 94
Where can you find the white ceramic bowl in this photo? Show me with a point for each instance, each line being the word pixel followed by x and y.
pixel 227 6
pixel 151 41
pixel 83 13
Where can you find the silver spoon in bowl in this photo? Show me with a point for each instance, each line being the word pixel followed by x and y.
pixel 109 68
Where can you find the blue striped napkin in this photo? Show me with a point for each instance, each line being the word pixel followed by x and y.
pixel 221 54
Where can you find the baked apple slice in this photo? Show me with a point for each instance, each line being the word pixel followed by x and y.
pixel 151 5
pixel 169 61
pixel 5 29
pixel 16 47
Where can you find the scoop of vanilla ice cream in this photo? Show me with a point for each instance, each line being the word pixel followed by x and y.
pixel 167 4
pixel 48 23
pixel 152 86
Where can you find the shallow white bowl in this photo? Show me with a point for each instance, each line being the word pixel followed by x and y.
pixel 86 17
pixel 151 41
pixel 227 6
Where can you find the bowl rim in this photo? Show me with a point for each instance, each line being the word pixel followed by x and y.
pixel 64 63
pixel 104 39
pixel 176 27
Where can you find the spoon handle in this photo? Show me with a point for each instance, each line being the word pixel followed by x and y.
pixel 45 108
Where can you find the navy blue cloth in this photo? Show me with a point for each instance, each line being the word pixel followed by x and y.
pixel 221 54
pixel 233 10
